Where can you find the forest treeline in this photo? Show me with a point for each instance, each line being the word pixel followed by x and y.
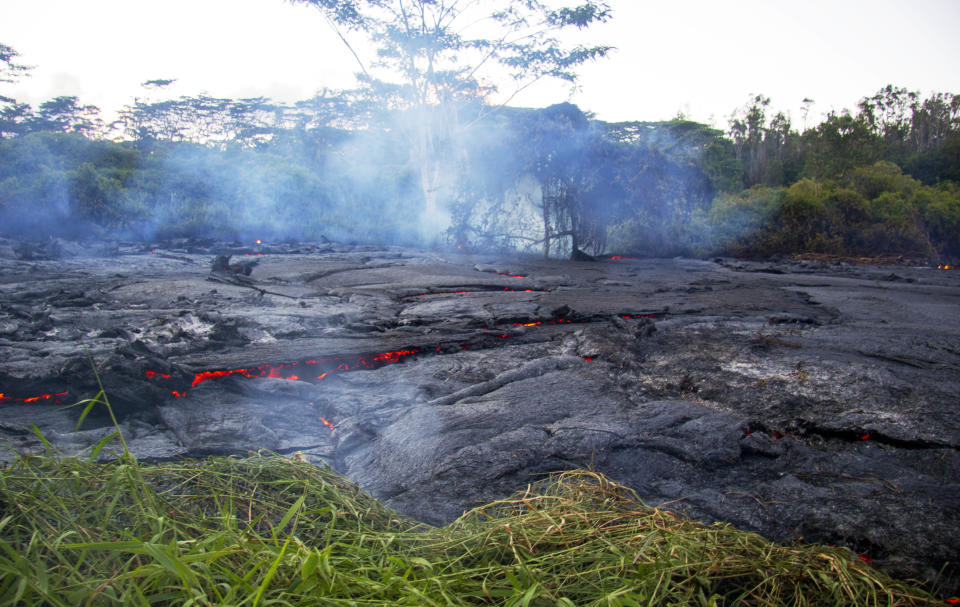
pixel 883 179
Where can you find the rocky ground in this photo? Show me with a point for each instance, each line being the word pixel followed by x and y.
pixel 796 399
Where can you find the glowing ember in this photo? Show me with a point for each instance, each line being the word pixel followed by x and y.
pixel 327 365
pixel 326 423
pixel 280 371
pixel 258 241
pixel 55 397
pixel 865 436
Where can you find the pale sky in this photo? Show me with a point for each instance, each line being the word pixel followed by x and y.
pixel 700 57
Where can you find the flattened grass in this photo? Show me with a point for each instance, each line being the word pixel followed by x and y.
pixel 267 530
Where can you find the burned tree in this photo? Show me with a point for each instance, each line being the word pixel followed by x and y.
pixel 567 156
pixel 430 63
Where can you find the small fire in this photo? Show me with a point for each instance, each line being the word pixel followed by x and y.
pixel 943 267
pixel 258 241
pixel 326 423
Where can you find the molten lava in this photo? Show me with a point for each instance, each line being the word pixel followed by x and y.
pixel 54 397
pixel 365 361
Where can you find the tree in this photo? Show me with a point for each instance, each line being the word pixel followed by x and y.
pixel 439 60
pixel 10 71
pixel 65 114
pixel 13 115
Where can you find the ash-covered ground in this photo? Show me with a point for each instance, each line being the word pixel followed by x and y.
pixel 800 400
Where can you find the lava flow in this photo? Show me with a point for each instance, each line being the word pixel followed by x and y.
pixel 307 369
pixel 54 398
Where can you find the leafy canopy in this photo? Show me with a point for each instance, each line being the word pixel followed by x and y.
pixel 438 51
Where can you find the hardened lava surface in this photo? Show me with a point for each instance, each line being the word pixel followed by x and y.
pixel 802 400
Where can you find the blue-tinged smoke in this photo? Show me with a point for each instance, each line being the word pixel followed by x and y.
pixel 505 179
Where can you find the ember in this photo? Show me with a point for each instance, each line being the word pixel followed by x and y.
pixel 366 361
pixel 55 397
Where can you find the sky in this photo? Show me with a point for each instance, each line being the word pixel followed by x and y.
pixel 701 58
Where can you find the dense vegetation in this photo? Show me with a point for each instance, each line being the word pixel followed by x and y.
pixel 842 187
pixel 439 165
pixel 266 530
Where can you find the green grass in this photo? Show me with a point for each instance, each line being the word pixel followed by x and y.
pixel 267 530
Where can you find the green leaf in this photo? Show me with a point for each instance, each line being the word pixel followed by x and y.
pixel 309 566
pixel 42 438
pixel 292 511
pixel 271 572
pixel 103 443
pixel 90 404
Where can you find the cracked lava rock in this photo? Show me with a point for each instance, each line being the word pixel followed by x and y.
pixel 801 400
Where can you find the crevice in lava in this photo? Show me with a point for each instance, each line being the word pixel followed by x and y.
pixel 179 383
pixel 466 289
pixel 807 428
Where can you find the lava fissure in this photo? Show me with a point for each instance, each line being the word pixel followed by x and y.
pixel 807 428
pixel 477 289
pixel 318 369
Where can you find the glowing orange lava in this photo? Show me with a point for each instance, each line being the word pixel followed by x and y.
pixel 281 371
pixel 32 399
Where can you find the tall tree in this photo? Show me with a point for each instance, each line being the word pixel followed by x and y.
pixel 435 57
pixel 66 114
pixel 13 115
pixel 10 70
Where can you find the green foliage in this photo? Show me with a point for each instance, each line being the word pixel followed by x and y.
pixel 940 162
pixel 10 70
pixel 876 211
pixel 739 220
pixel 267 530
